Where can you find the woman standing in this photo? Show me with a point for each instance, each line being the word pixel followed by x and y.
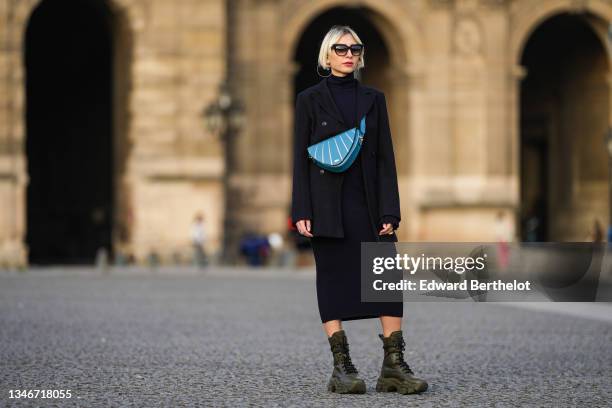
pixel 338 211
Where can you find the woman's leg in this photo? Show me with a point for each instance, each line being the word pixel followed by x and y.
pixel 332 326
pixel 390 324
pixel 395 374
pixel 345 377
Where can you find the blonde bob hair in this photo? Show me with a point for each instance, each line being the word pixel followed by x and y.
pixel 332 37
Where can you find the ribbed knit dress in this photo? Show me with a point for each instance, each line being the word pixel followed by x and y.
pixel 338 269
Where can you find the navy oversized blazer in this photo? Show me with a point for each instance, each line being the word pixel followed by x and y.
pixel 317 192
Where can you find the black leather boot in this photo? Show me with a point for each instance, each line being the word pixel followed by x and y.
pixel 396 375
pixel 344 379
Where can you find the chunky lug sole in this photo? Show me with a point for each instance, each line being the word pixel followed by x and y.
pixel 356 387
pixel 402 387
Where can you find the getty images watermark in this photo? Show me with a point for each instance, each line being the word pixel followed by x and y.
pixel 488 271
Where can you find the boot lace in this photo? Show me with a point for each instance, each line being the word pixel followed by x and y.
pixel 348 364
pixel 345 359
pixel 402 363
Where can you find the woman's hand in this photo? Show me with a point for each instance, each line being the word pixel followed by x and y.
pixel 303 227
pixel 387 229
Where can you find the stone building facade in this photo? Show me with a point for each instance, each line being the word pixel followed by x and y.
pixel 496 107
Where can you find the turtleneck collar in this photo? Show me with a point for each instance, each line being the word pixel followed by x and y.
pixel 346 81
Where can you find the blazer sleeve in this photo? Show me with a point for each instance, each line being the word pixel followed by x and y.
pixel 388 219
pixel 388 193
pixel 301 208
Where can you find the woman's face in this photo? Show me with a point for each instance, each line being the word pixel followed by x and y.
pixel 340 64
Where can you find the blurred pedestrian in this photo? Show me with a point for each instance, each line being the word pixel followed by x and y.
pixel 503 235
pixel 255 248
pixel 597 234
pixel 198 240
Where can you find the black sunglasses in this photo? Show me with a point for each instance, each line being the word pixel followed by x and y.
pixel 342 49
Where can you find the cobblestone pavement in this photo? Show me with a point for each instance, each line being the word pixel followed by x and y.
pixel 230 337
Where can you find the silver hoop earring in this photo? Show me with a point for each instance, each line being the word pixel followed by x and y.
pixel 323 76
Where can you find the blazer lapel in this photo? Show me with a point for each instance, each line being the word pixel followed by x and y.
pixel 365 102
pixel 326 100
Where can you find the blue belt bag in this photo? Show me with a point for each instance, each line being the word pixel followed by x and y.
pixel 338 152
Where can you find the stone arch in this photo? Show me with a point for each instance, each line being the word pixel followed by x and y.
pixel 120 32
pixel 532 14
pixel 540 134
pixel 394 24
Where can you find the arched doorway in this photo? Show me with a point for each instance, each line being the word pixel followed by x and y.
pixel 69 131
pixel 564 112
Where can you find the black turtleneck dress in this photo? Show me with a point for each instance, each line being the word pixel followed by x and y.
pixel 338 269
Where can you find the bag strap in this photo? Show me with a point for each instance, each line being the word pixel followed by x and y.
pixel 356 106
pixel 356 103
